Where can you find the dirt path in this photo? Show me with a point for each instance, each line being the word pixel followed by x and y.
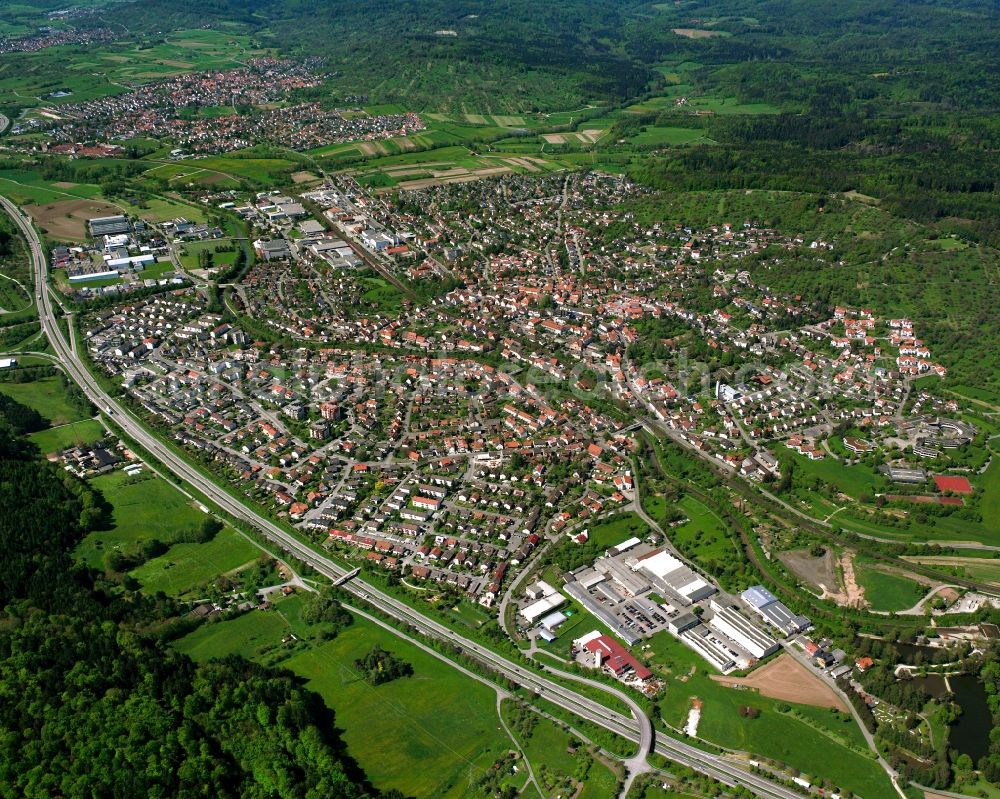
pixel 853 595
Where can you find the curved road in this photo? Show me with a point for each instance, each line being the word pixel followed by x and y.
pixel 637 729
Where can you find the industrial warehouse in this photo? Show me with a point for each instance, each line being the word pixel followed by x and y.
pixel 637 589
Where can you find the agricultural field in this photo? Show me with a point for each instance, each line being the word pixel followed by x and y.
pixel 730 105
pixel 451 165
pixel 25 186
pixel 786 678
pixel 62 208
pixel 187 566
pixel 163 209
pixel 66 220
pixel 145 507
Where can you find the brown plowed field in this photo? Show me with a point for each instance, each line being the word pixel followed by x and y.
pixel 787 679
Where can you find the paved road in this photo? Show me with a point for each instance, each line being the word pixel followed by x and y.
pixel 637 729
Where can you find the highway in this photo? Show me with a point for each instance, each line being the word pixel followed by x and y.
pixel 636 728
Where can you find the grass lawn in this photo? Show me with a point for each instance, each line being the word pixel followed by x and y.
pixel 189 260
pixel 145 507
pixel 260 170
pixel 471 614
pixel 617 529
pixel 55 439
pixel 982 569
pixel 658 792
pixel 578 624
pixel 943 528
pixel 156 271
pixel 888 591
pixel 704 533
pixel 855 481
pixel 817 752
pixel 46 396
pixel 247 635
pixel 186 566
pixel 990 501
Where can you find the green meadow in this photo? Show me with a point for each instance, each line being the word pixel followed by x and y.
pixel 554 758
pixel 817 746
pixel 887 592
pixel 144 507
pixel 187 566
pixel 71 434
pixel 425 735
pixel 47 396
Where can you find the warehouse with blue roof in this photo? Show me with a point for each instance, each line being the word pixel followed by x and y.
pixel 773 611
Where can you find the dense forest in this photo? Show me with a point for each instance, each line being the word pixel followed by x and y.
pixel 93 700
